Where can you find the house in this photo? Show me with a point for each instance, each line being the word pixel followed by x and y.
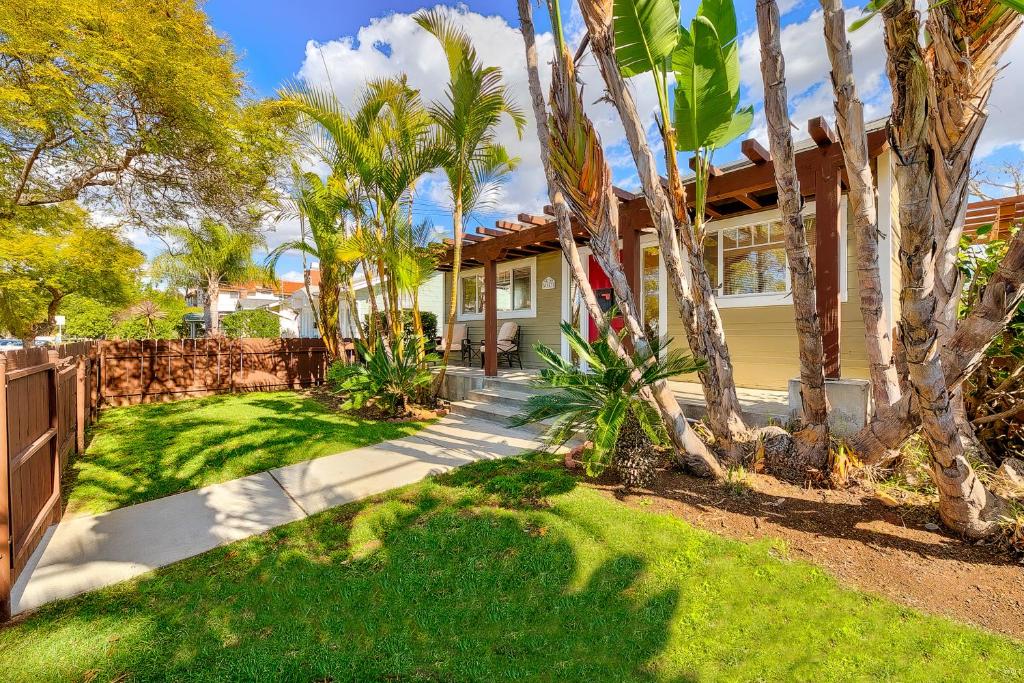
pixel 518 267
pixel 253 295
pixel 430 300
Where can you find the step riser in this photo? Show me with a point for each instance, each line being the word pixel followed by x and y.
pixel 514 402
pixel 482 413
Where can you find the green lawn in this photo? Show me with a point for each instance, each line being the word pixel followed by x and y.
pixel 469 578
pixel 139 453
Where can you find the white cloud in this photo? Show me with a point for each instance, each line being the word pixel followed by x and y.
pixel 1003 127
pixel 807 70
pixel 396 44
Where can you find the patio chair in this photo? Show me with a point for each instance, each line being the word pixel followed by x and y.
pixel 460 342
pixel 508 345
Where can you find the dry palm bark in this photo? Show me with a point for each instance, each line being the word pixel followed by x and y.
pixel 885 384
pixel 694 295
pixel 961 355
pixel 966 41
pixel 812 440
pixel 965 505
pixel 601 206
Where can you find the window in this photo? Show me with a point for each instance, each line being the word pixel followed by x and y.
pixel 750 260
pixel 514 292
pixel 473 294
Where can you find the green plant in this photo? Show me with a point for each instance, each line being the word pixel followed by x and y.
pixel 252 323
pixel 428 319
pixel 596 404
pixel 994 392
pixel 387 380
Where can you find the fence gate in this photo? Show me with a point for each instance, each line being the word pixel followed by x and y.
pixel 30 458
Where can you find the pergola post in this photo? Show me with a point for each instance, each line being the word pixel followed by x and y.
pixel 490 318
pixel 827 263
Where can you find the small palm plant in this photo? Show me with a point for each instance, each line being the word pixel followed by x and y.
pixel 604 404
pixel 387 379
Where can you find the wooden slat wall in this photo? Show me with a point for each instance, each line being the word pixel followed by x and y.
pixel 148 371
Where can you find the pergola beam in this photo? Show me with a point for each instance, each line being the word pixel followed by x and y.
pixel 530 219
pixel 820 132
pixel 755 151
pixel 492 232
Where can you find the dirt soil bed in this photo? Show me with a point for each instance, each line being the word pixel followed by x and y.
pixel 879 549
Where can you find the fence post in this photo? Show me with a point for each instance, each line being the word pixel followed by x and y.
pixel 81 401
pixel 6 549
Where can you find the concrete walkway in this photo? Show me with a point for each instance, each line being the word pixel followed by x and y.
pixel 85 553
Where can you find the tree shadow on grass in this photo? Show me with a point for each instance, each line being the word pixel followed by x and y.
pixel 145 452
pixel 427 585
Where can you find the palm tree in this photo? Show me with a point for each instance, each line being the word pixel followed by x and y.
pixel 206 259
pixel 384 147
pixel 477 99
pixel 812 441
pixel 630 38
pixel 324 207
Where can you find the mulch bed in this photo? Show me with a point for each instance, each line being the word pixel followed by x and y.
pixel 334 401
pixel 866 544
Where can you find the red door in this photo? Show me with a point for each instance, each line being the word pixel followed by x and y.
pixel 602 285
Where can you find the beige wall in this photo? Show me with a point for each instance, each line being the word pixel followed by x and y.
pixel 543 327
pixel 762 339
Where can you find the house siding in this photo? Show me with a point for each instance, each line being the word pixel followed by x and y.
pixel 544 328
pixel 763 343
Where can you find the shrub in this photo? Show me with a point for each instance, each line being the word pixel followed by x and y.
pixel 427 318
pixel 598 404
pixel 253 323
pixel 387 380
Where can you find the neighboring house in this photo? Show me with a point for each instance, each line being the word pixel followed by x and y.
pixel 745 255
pixel 430 299
pixel 253 295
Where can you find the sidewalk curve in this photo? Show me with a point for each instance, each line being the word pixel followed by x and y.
pixel 82 554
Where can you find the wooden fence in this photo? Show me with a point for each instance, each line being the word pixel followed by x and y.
pixel 49 396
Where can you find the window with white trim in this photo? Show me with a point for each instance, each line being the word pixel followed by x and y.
pixel 746 262
pixel 514 291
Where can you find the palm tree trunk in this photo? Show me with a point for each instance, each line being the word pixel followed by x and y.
pixel 885 383
pixel 417 325
pixel 329 309
pixel 692 451
pixel 373 327
pixel 812 441
pixel 967 43
pixel 697 307
pixel 961 355
pixel 210 303
pixel 453 304
pixel 965 505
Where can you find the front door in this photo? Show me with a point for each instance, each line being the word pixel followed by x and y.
pixel 602 286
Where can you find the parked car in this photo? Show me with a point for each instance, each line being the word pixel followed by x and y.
pixel 10 344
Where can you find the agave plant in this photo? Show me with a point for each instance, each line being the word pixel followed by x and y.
pixel 388 378
pixel 596 404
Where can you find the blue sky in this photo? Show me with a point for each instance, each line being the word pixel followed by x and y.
pixel 357 39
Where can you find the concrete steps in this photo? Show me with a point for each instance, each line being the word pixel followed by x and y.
pixel 498 401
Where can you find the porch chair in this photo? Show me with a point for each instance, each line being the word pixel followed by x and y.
pixel 508 345
pixel 460 342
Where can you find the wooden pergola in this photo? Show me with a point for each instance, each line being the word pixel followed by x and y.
pixel 746 187
pixel 1001 214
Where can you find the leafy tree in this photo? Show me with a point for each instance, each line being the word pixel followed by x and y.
pixel 86 318
pixel 131 102
pixel 207 258
pixel 50 252
pixel 252 323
